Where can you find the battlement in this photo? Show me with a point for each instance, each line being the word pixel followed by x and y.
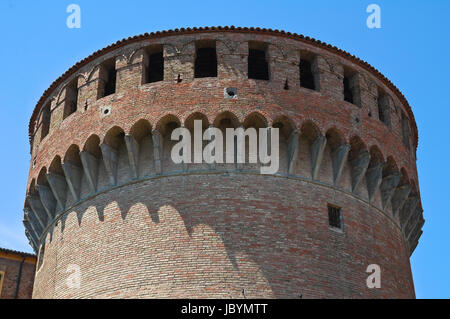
pixel 330 68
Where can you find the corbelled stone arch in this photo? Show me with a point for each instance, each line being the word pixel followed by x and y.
pixel 359 159
pixel 390 180
pixel 56 166
pixel 139 144
pixel 115 156
pixel 189 121
pixel 91 157
pixel 311 148
pixel 288 142
pixel 31 188
pixel 401 192
pixel 167 124
pixel 252 124
pixel 57 182
pixel 224 120
pixel 33 224
pixel 409 208
pixel 197 142
pixel 38 213
pixel 374 172
pixel 140 129
pixel 45 194
pixel 92 145
pixel 255 119
pixel 73 172
pixel 335 156
pixel 164 144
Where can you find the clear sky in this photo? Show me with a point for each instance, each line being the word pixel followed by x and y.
pixel 412 49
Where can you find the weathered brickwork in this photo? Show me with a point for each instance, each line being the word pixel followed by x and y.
pixel 17 272
pixel 104 194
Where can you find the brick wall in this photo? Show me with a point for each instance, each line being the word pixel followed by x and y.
pixel 15 279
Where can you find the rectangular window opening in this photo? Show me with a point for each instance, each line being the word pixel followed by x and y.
pixel 205 59
pixel 155 65
pixel 307 78
pixel 109 77
pixel 383 108
pixel 71 100
pixel 258 66
pixel 46 115
pixel 405 130
pixel 334 217
pixel 351 87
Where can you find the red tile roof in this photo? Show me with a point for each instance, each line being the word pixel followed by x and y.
pixel 15 252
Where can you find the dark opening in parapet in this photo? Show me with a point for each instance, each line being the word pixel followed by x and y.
pixel 307 75
pixel 348 94
pixel 258 67
pixel 384 114
pixel 406 130
pixel 71 99
pixel 109 69
pixel 155 65
pixel 351 86
pixel 46 115
pixel 206 59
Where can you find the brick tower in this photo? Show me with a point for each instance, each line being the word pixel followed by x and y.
pixel 105 202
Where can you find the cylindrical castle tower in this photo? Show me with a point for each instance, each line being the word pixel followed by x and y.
pixel 108 209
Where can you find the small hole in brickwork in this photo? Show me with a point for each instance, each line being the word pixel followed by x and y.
pixel 370 114
pixel 106 112
pixel 286 85
pixel 179 78
pixel 230 93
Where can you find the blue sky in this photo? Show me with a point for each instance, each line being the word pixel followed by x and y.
pixel 412 49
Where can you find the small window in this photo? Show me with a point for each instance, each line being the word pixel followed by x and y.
pixel 258 67
pixel 45 124
pixel 384 114
pixel 41 257
pixel 155 65
pixel 71 100
pixel 351 87
pixel 334 217
pixel 109 78
pixel 348 94
pixel 2 277
pixel 307 75
pixel 405 130
pixel 206 60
